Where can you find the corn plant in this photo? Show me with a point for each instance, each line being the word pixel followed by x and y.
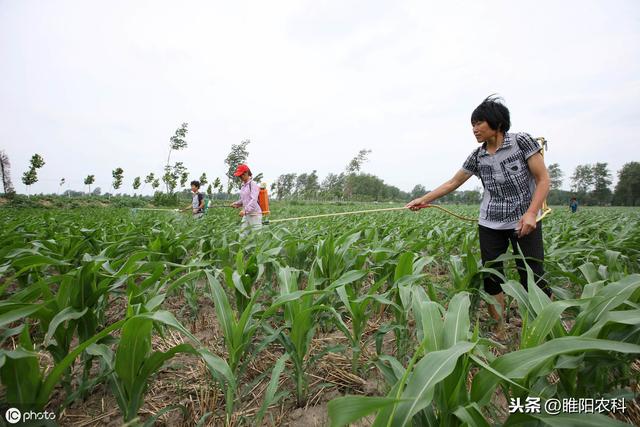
pixel 358 310
pixel 238 328
pixel 301 309
pixel 432 388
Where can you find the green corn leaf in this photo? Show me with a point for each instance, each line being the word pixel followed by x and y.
pixel 12 312
pixel 471 415
pixel 456 321
pixel 54 376
pixel 67 314
pixel 404 266
pixel 345 410
pixel 272 388
pixel 346 278
pixel 428 372
pixel 133 350
pixel 548 317
pixel 520 363
pixel 20 373
pixel 431 324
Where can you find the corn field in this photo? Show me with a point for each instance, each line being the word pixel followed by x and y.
pixel 143 318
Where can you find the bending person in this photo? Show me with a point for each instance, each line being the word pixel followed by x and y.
pixel 251 213
pixel 516 183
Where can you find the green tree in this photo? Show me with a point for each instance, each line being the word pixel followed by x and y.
pixel 174 173
pixel 30 177
pixel 418 191
pixel 307 185
pixel 555 175
pixel 136 183
pixel 184 177
pixel 90 179
pixel 117 175
pixel 203 179
pixel 285 185
pixel 601 182
pixel 627 190
pixel 237 156
pixel 5 168
pixel 176 142
pixel 582 179
pixel 356 163
pixel 333 186
pixel 155 184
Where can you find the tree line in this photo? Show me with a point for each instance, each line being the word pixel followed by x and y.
pixel 590 183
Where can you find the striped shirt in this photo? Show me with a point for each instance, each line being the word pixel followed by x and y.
pixel 506 178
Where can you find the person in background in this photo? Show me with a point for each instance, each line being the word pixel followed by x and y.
pixel 197 201
pixel 573 204
pixel 516 183
pixel 250 209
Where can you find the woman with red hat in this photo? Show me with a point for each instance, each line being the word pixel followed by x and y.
pixel 251 213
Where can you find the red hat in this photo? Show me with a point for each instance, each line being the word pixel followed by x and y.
pixel 242 168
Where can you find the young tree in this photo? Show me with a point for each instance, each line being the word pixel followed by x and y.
pixel 5 168
pixel 627 192
pixel 90 179
pixel 203 179
pixel 356 163
pixel 217 185
pixel 237 156
pixel 149 179
pixel 173 174
pixel 117 175
pixel 176 142
pixel 555 175
pixel 184 177
pixel 62 182
pixel 136 183
pixel 155 184
pixel 30 177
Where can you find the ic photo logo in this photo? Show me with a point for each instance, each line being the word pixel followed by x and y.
pixel 13 415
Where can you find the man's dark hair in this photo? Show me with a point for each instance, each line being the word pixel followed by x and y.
pixel 493 111
pixel 196 183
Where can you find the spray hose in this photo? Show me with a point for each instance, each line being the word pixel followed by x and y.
pixel 545 211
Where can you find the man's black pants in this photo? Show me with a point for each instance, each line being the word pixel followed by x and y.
pixel 494 243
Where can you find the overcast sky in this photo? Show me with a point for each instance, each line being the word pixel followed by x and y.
pixel 95 85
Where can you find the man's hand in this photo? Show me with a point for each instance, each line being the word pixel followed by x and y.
pixel 235 205
pixel 241 213
pixel 414 205
pixel 526 224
